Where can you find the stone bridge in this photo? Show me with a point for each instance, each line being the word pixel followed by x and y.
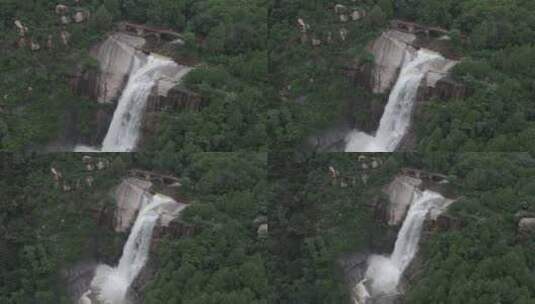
pixel 146 31
pixel 415 28
pixel 163 179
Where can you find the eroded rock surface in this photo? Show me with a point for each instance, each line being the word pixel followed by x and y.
pixel 389 52
pixel 116 56
pixel 400 192
pixel 130 195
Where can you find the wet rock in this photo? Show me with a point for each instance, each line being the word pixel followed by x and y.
pixel 176 98
pixel 78 278
pixel 354 267
pixel 443 89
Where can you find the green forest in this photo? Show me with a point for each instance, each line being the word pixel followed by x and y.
pixel 229 39
pixel 46 229
pixel 243 139
pixel 319 219
pixel 264 89
pixel 318 207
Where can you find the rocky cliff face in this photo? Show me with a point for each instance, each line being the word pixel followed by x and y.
pixel 389 52
pixel 116 56
pixel 400 191
pixel 130 196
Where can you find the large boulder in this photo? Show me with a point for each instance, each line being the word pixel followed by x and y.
pixel 526 227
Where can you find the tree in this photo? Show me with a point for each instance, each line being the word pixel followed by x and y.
pixel 114 7
pixel 388 8
pixel 377 16
pixel 103 19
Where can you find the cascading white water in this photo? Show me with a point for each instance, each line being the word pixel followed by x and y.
pixel 124 130
pixel 383 273
pixel 110 285
pixel 123 133
pixel 397 115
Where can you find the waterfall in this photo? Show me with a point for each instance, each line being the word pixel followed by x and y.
pixel 123 133
pixel 396 118
pixel 110 284
pixel 383 273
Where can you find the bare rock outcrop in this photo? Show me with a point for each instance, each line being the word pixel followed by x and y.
pixel 130 195
pixel 116 56
pixel 401 192
pixel 389 52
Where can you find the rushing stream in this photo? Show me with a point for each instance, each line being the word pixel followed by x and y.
pixel 383 273
pixel 396 118
pixel 110 284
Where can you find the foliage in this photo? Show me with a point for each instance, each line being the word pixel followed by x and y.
pixel 316 220
pixel 46 230
pixel 481 259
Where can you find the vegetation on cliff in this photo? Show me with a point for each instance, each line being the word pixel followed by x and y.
pixel 496 38
pixel 478 256
pixel 49 223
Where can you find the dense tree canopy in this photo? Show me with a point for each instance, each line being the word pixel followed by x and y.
pixel 320 219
